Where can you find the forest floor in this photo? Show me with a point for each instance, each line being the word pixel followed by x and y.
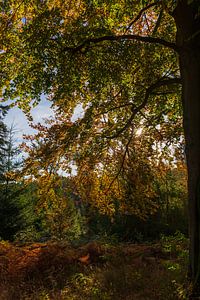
pixel 56 270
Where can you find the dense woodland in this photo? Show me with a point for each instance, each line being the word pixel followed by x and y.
pixel 102 202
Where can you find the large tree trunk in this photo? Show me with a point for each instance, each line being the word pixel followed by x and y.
pixel 188 39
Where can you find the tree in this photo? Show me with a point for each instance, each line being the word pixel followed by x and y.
pixel 120 60
pixel 3 142
pixel 9 191
pixel 61 218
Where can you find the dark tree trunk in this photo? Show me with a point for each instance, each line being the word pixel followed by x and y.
pixel 188 39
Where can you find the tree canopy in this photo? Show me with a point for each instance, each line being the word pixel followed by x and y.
pixel 108 57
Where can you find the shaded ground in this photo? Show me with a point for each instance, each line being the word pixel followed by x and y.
pixel 93 271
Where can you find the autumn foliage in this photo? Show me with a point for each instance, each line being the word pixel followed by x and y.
pixel 64 272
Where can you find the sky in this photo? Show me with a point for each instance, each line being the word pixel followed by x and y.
pixel 18 119
pixel 43 110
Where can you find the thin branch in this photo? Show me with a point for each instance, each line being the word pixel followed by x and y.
pixel 161 82
pixel 126 126
pixel 147 23
pixel 158 22
pixel 117 94
pixel 149 90
pixel 122 164
pixel 141 12
pixel 117 38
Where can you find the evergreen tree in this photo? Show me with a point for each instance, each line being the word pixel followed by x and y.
pixel 3 142
pixel 10 221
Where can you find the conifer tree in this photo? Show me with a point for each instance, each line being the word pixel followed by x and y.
pixel 9 191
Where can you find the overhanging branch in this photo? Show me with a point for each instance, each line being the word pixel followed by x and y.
pixel 135 110
pixel 125 37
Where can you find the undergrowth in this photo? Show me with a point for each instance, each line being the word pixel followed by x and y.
pixel 94 271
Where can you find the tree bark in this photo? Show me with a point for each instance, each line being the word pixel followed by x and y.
pixel 188 40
